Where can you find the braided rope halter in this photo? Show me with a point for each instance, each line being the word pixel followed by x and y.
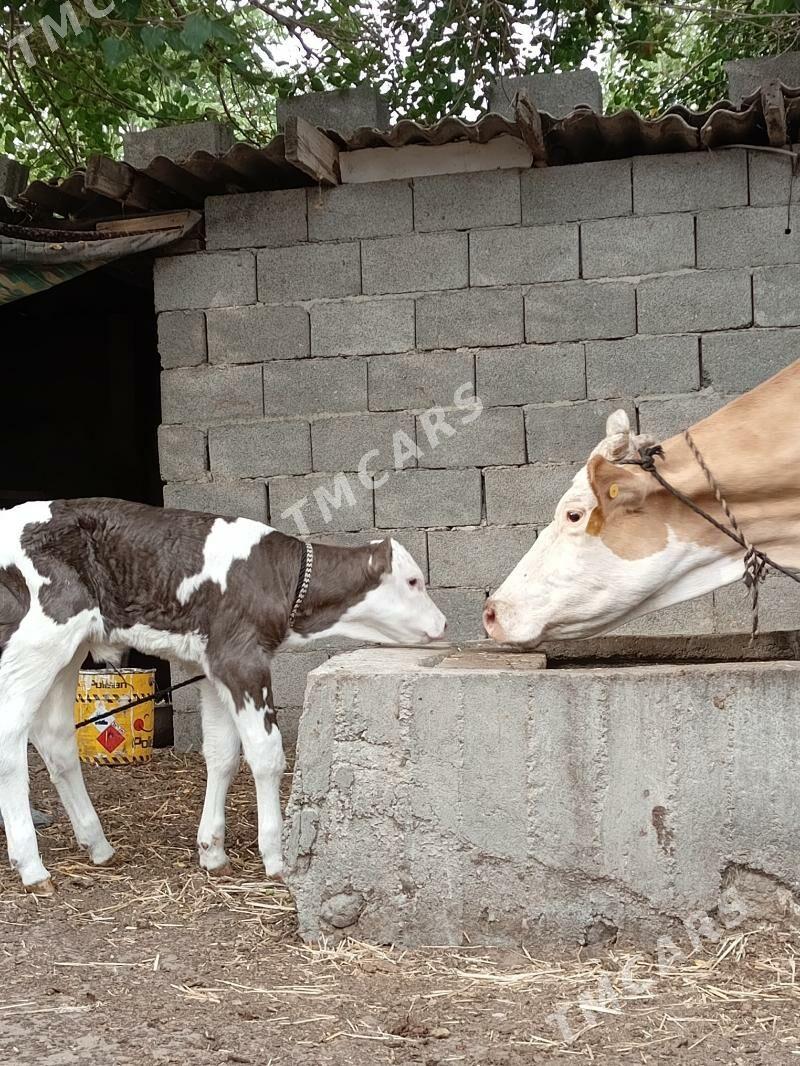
pixel 756 562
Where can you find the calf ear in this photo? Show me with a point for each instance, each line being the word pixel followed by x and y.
pixel 615 486
pixel 380 558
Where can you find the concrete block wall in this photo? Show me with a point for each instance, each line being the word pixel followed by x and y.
pixel 322 326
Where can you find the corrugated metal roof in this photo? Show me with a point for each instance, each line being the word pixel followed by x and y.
pixel 770 116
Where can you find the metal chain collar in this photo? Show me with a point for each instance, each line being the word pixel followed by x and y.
pixel 302 590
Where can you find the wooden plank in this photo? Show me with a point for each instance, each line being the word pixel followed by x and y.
pixel 774 108
pixel 311 151
pixel 144 223
pixel 121 182
pixel 530 127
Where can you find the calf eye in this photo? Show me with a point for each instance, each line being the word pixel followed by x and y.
pixel 574 516
pixel 413 582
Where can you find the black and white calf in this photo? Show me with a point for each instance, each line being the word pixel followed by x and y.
pixel 219 595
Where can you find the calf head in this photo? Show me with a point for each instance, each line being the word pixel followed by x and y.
pixel 385 602
pixel 611 553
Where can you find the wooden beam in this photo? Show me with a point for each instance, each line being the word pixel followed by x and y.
pixel 530 127
pixel 121 182
pixel 309 150
pixel 144 223
pixel 774 109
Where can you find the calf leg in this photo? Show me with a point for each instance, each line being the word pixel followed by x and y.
pixel 263 750
pixel 53 734
pixel 222 752
pixel 26 676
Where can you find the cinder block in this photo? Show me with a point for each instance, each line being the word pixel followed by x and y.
pixel 225 279
pixel 362 327
pixel 689 181
pixel 526 494
pixel 638 365
pixel 568 432
pixel 771 179
pixel 141 147
pixel 289 672
pixel 666 416
pixel 736 362
pixel 752 236
pixel 348 441
pixel 229 499
pixel 260 449
pixel 319 503
pixel 309 272
pixel 463 609
pixel 580 310
pixel 612 247
pixel 467 201
pixel 343 110
pixel 289 725
pixel 571 193
pixel 496 437
pixel 256 333
pixel 413 540
pixel 182 338
pixel 747 75
pixel 211 394
pixel 473 318
pixel 315 386
pixel 416 263
pixel 483 556
pixel 429 498
pixel 520 255
pixel 704 300
pixel 530 373
pixel 774 296
pixel 187 731
pixel 418 380
pixel 557 94
pixel 374 209
pixel 256 219
pixel 778 606
pixel 13 176
pixel 182 453
pixel 185 701
pixel 682 619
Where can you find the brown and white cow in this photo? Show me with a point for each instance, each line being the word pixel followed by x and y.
pixel 102 576
pixel 620 546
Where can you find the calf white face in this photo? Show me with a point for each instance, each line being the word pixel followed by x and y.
pixel 608 555
pixel 399 610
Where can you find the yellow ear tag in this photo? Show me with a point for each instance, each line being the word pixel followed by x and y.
pixel 613 491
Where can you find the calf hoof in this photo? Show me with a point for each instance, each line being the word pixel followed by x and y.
pixel 41 888
pixel 106 858
pixel 226 870
pixel 273 868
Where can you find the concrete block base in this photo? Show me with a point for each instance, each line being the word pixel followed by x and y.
pixel 449 796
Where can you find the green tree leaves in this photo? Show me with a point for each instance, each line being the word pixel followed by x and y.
pixel 152 62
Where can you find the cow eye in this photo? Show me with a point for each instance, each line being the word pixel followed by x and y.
pixel 574 516
pixel 413 582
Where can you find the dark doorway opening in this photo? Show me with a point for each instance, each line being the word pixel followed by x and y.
pixel 81 401
pixel 81 404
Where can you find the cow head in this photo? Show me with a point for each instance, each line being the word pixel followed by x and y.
pixel 617 548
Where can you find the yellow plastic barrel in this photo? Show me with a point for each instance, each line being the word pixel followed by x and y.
pixel 119 737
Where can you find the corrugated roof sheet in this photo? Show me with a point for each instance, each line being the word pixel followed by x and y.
pixel 769 117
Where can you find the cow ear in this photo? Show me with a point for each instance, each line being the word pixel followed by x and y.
pixel 618 436
pixel 614 486
pixel 380 558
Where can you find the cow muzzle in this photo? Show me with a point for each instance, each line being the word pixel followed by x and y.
pixel 491 622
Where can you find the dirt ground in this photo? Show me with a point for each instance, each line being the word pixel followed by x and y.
pixel 150 961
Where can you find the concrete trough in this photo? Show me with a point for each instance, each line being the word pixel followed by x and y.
pixel 614 788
